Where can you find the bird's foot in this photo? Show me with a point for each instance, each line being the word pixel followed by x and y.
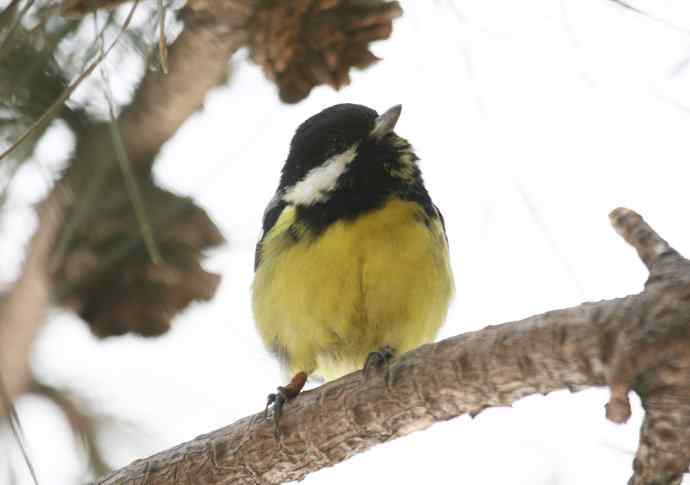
pixel 277 400
pixel 378 360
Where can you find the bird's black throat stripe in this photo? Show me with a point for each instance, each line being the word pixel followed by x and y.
pixel 378 173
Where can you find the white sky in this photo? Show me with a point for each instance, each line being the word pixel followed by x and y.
pixel 533 120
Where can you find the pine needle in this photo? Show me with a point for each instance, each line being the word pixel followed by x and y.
pixel 132 186
pixel 55 107
pixel 632 8
pixel 16 23
pixel 162 44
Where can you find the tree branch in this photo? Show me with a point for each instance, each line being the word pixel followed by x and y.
pixel 197 62
pixel 23 308
pixel 640 342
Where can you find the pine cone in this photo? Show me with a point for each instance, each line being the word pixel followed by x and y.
pixel 303 43
pixel 110 279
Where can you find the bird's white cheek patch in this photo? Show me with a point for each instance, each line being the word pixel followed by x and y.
pixel 321 180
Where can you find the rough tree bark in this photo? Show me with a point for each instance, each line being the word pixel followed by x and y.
pixel 640 342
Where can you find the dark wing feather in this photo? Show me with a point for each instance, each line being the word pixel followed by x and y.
pixel 443 222
pixel 271 214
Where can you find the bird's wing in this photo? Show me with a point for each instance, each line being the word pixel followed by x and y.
pixel 271 215
pixel 443 222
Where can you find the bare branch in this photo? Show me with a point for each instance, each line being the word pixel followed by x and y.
pixel 197 62
pixel 23 308
pixel 640 342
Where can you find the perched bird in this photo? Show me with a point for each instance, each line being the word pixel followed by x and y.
pixel 352 265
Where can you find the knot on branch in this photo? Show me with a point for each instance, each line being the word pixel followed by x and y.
pixel 108 275
pixel 305 43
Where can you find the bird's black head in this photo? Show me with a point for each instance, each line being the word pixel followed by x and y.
pixel 346 160
pixel 332 131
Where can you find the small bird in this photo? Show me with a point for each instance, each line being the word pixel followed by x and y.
pixel 352 266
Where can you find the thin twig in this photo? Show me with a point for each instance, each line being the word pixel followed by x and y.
pixel 162 45
pixel 665 23
pixel 132 187
pixel 93 189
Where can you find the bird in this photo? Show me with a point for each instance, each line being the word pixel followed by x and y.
pixel 352 266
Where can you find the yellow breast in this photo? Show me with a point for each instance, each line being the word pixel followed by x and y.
pixel 323 303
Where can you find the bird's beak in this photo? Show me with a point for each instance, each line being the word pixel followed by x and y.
pixel 385 123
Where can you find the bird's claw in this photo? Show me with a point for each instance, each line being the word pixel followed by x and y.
pixel 275 401
pixel 378 360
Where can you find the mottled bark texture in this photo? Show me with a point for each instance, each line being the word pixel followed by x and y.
pixel 640 343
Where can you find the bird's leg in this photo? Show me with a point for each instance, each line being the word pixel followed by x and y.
pixel 283 395
pixel 378 360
